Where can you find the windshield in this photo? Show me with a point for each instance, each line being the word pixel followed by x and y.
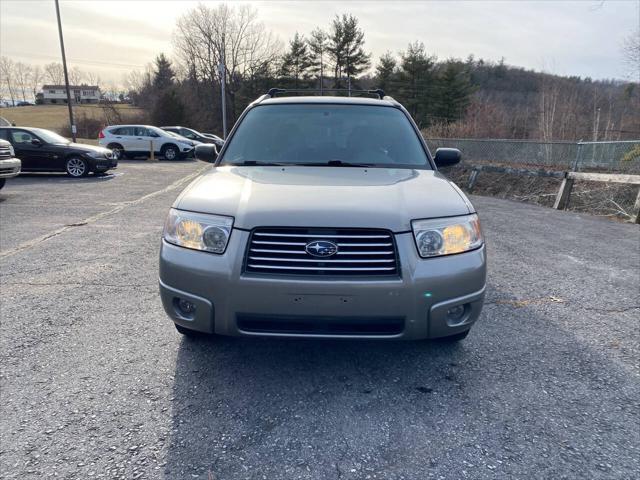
pixel 49 136
pixel 326 134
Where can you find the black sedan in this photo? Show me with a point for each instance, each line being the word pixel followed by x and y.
pixel 192 134
pixel 42 150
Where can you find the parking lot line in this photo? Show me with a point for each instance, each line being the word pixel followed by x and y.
pixel 43 238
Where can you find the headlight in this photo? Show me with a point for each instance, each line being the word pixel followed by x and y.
pixel 12 152
pixel 198 231
pixel 444 236
pixel 98 154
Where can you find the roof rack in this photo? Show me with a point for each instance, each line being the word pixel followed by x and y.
pixel 273 92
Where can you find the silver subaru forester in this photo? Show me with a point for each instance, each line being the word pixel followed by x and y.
pixel 324 217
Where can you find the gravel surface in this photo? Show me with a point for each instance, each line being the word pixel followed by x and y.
pixel 96 383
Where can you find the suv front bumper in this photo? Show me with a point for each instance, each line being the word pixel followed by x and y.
pixel 223 294
pixel 10 167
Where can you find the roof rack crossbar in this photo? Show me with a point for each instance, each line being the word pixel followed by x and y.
pixel 275 91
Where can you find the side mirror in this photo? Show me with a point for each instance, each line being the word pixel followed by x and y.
pixel 206 152
pixel 36 142
pixel 445 157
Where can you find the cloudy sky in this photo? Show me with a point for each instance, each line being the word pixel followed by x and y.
pixel 111 38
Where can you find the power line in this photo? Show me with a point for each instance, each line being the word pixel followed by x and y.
pixel 76 60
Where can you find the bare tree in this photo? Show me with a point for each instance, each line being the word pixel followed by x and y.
pixel 92 78
pixel 7 80
pixel 631 54
pixel 54 73
pixel 37 75
pixel 207 36
pixel 549 93
pixel 23 73
pixel 75 75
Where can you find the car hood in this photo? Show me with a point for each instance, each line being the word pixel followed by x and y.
pixel 87 148
pixel 324 196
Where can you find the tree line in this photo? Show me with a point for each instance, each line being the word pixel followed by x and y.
pixel 446 97
pixel 335 57
pixel 22 81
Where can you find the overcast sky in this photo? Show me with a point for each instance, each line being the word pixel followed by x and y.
pixel 113 37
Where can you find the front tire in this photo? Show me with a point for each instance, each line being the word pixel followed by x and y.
pixel 76 167
pixel 170 152
pixel 2 182
pixel 116 150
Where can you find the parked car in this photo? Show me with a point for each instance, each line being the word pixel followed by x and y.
pixel 24 104
pixel 136 140
pixel 9 165
pixel 194 135
pixel 216 139
pixel 327 217
pixel 193 143
pixel 42 150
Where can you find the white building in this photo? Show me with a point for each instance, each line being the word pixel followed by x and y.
pixel 79 94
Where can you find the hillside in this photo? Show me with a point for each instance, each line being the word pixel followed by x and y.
pixel 56 117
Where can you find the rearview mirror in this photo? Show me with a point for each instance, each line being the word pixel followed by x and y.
pixel 36 142
pixel 445 157
pixel 206 152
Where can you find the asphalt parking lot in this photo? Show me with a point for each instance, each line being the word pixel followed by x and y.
pixel 96 383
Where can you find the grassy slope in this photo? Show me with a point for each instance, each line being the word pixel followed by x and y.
pixel 53 117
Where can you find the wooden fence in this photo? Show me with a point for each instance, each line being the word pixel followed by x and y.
pixel 568 178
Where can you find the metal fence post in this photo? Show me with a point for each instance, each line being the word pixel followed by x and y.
pixel 578 156
pixel 472 178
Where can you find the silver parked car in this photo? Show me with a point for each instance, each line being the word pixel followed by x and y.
pixel 324 217
pixel 9 165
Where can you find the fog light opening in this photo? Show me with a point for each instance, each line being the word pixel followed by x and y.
pixel 184 307
pixel 457 313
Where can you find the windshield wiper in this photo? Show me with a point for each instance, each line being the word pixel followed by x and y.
pixel 338 163
pixel 330 163
pixel 251 163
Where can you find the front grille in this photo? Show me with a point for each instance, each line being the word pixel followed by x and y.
pixel 316 325
pixel 361 252
pixel 5 152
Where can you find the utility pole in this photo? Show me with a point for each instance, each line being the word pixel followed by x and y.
pixel 223 81
pixel 321 71
pixel 66 74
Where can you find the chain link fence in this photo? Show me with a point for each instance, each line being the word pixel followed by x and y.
pixel 613 157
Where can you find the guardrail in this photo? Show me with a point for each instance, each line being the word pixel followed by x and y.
pixel 568 178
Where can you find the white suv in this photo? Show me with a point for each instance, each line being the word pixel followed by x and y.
pixel 135 140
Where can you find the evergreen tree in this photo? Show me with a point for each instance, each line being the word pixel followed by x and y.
pixel 454 89
pixel 163 74
pixel 346 48
pixel 318 53
pixel 296 62
pixel 386 71
pixel 416 86
pixel 168 109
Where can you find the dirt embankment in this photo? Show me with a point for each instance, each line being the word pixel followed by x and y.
pixel 615 201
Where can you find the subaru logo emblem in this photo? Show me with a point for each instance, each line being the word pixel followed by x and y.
pixel 321 248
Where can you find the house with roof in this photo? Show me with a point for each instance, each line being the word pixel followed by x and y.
pixel 79 94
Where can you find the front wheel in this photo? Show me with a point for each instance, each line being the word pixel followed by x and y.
pixel 116 150
pixel 77 167
pixel 170 152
